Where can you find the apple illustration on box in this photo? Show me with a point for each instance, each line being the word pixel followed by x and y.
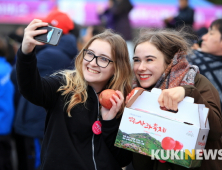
pixel 169 143
pixel 178 146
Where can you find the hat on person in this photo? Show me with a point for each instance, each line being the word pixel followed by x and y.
pixel 60 20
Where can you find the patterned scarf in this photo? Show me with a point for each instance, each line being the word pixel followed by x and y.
pixel 179 72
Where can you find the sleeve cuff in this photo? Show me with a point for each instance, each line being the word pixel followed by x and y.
pixel 109 123
pixel 188 90
pixel 25 57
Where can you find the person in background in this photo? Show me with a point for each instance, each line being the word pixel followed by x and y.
pixel 90 32
pixel 208 56
pixel 6 108
pixel 116 17
pixel 160 62
pixel 14 42
pixel 185 16
pixel 79 132
pixel 106 16
pixel 199 33
pixel 76 30
pixel 30 119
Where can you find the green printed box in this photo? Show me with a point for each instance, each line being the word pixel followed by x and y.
pixel 174 137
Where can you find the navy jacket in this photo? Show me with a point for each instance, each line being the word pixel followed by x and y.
pixel 30 119
pixel 185 16
pixel 117 18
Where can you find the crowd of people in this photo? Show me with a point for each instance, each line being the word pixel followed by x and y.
pixel 49 94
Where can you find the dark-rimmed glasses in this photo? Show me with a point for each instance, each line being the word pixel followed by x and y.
pixel 100 60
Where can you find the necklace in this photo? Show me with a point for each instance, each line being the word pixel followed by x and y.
pixel 97 125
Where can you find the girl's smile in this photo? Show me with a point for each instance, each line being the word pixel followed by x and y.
pixel 92 71
pixel 144 76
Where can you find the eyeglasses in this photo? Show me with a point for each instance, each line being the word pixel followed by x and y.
pixel 100 61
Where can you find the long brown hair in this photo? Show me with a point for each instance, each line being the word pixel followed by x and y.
pixel 121 80
pixel 168 41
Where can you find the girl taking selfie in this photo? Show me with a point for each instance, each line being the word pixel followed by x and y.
pixel 79 134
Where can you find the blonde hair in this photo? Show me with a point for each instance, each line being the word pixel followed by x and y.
pixel 76 86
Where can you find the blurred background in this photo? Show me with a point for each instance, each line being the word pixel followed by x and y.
pixel 15 14
pixel 90 17
pixel 145 13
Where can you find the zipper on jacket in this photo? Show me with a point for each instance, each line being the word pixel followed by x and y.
pixel 94 161
pixel 93 152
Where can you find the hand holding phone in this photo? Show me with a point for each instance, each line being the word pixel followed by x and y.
pixel 32 30
pixel 52 36
pixel 28 42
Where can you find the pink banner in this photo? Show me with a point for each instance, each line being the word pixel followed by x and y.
pixel 85 13
pixel 22 12
pixel 148 15
pixel 91 16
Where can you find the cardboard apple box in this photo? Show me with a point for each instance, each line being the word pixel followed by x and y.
pixel 145 128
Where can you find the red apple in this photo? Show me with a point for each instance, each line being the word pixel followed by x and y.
pixel 178 146
pixel 104 98
pixel 132 92
pixel 168 143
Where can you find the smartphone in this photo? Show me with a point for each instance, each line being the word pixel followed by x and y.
pixel 52 36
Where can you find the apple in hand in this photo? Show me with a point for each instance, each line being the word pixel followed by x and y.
pixel 104 98
pixel 178 146
pixel 168 143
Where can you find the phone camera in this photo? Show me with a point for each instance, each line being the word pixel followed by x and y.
pixel 58 32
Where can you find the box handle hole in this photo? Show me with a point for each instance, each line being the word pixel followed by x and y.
pixel 188 123
pixel 203 137
pixel 172 111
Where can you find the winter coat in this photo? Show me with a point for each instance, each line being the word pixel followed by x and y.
pixel 185 16
pixel 211 67
pixel 117 18
pixel 30 118
pixel 69 142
